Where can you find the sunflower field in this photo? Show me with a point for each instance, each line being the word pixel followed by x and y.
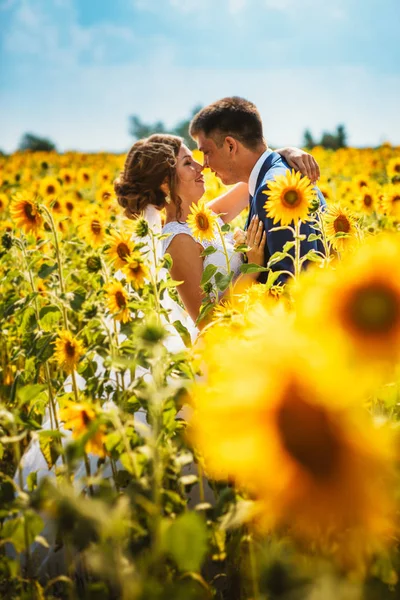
pixel 257 460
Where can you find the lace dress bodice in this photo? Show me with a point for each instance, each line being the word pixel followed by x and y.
pixel 217 258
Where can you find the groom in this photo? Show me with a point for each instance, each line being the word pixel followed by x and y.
pixel 229 133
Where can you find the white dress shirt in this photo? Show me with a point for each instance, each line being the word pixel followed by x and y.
pixel 256 171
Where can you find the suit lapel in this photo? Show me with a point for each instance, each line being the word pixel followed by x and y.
pixel 271 158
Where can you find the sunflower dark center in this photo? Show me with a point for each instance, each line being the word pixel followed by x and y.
pixel 70 349
pixel 341 224
pixel 396 198
pixel 363 184
pixel 367 200
pixel 51 189
pixel 202 222
pixel 120 299
pixel 70 206
pixel 56 205
pixel 123 250
pixel 96 227
pixel 291 198
pixel 397 168
pixel 308 434
pixel 85 418
pixel 86 177
pixel 374 309
pixel 67 178
pixel 30 212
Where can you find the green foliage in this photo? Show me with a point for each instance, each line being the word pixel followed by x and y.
pixel 330 141
pixel 34 143
pixel 138 129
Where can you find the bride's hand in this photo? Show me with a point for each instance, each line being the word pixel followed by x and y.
pixel 255 239
pixel 301 161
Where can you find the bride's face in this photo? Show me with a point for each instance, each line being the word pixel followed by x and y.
pixel 190 185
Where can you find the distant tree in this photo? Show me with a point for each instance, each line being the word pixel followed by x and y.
pixel 341 136
pixel 138 129
pixel 141 130
pixel 331 141
pixel 308 141
pixel 34 143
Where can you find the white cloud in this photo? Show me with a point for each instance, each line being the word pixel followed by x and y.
pixel 334 8
pixel 57 37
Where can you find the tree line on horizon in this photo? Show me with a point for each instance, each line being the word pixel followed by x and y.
pixel 140 129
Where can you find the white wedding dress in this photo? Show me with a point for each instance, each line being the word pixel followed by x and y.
pixel 218 258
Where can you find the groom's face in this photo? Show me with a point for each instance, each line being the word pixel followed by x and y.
pixel 218 159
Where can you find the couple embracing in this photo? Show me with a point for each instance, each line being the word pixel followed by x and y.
pixel 160 171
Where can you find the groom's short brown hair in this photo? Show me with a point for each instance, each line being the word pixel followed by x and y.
pixel 232 116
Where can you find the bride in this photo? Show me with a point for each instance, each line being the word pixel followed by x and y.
pixel 161 172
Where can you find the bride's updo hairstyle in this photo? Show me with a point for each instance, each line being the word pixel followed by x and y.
pixel 149 163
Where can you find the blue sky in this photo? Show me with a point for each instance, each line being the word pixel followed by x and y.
pixel 74 70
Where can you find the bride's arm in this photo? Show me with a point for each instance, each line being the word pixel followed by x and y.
pixel 187 267
pixel 230 204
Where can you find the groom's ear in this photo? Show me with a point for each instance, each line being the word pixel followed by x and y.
pixel 232 144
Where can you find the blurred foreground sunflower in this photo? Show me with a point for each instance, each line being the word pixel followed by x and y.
pixel 359 301
pixel 68 350
pixel 25 212
pixel 288 426
pixel 202 222
pixel 289 198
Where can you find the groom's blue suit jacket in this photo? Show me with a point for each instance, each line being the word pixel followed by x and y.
pixel 273 166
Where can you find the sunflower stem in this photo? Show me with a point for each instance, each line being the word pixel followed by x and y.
pixel 254 570
pixel 59 262
pixel 153 277
pixel 297 261
pixel 53 412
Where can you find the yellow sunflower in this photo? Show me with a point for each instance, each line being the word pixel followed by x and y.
pixel 49 187
pixel 361 181
pixel 68 350
pixel 92 228
pixel 391 200
pixel 117 301
pixel 79 417
pixel 367 200
pixel 3 203
pixel 393 169
pixel 85 177
pixel 136 270
pixel 105 194
pixel 202 221
pixel 339 220
pixel 290 429
pixel 24 211
pixel 289 198
pixel 104 176
pixel 69 204
pixel 358 302
pixel 67 176
pixel 121 247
